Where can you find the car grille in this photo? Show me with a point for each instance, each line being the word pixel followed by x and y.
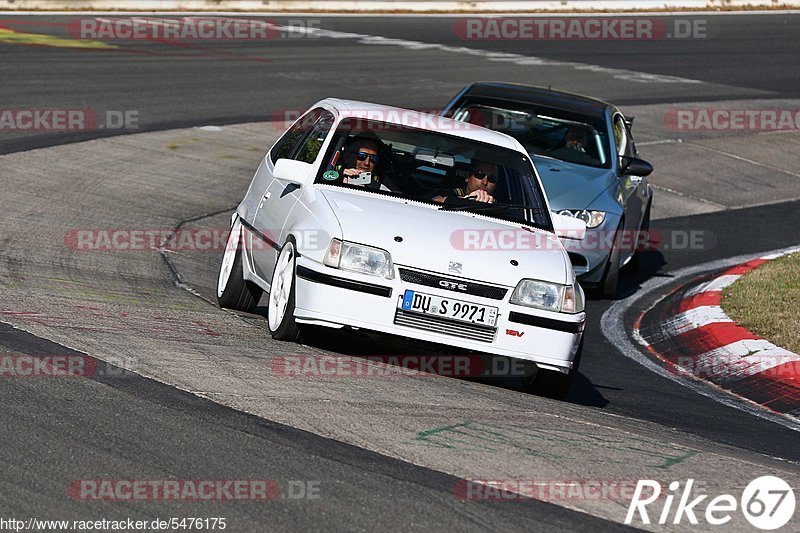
pixel 445 326
pixel 432 280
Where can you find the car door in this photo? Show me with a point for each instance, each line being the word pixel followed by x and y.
pixel 301 142
pixel 629 185
pixel 631 188
pixel 642 187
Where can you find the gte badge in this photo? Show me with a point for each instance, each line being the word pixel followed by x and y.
pixel 452 285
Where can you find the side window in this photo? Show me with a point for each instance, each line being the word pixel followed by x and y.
pixel 313 143
pixel 287 144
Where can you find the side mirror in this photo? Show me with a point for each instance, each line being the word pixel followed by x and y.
pixel 629 122
pixel 636 167
pixel 293 171
pixel 569 227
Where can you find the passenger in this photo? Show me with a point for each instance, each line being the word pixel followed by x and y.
pixel 367 159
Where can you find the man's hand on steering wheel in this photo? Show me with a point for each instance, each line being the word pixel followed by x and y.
pixel 481 196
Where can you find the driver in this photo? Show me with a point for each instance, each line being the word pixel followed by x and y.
pixel 479 185
pixel 576 138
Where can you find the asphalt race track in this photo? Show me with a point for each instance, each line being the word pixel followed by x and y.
pixel 185 390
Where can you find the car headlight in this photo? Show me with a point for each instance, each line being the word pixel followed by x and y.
pixel 591 218
pixel 359 258
pixel 548 296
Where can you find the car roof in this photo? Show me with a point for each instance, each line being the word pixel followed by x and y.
pixel 532 94
pixel 419 120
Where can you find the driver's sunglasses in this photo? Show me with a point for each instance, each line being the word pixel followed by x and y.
pixel 362 156
pixel 481 174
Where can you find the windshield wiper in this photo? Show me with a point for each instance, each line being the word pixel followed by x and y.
pixel 486 205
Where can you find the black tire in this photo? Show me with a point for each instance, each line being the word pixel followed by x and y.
pixel 636 262
pixel 551 383
pixel 238 294
pixel 607 287
pixel 285 329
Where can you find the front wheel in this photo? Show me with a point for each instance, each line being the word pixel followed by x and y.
pixel 636 262
pixel 607 288
pixel 280 314
pixel 551 383
pixel 233 291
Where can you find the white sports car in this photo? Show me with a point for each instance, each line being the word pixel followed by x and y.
pixel 395 221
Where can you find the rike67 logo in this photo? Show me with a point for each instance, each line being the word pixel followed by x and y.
pixel 767 502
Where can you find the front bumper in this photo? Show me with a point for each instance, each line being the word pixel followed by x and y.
pixel 590 255
pixel 331 297
pixel 589 267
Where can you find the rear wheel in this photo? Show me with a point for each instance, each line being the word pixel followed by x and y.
pixel 280 314
pixel 551 383
pixel 233 291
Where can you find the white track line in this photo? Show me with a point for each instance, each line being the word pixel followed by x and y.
pixel 716 284
pixel 505 57
pixel 694 318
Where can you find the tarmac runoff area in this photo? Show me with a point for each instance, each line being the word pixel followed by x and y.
pixel 124 307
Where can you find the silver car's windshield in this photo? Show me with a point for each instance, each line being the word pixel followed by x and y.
pixel 544 131
pixel 451 172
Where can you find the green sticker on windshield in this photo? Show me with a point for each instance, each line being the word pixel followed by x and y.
pixel 330 175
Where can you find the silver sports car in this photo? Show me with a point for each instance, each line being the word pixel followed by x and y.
pixel 586 157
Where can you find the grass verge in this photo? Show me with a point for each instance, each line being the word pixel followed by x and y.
pixel 767 301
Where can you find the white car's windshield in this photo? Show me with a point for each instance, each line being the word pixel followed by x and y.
pixel 454 173
pixel 544 131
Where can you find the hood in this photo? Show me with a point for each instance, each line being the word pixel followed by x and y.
pixel 420 236
pixel 571 186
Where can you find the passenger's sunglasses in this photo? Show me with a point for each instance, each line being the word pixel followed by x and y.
pixel 362 156
pixel 479 174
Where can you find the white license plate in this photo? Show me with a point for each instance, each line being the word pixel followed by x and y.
pixel 428 304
